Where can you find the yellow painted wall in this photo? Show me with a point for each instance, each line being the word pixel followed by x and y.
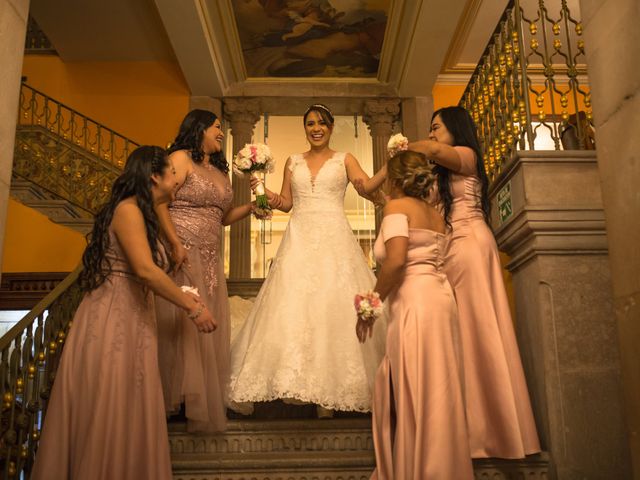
pixel 144 101
pixel 33 243
pixel 446 95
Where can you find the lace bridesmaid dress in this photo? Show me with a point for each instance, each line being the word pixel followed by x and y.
pixel 195 366
pixel 419 426
pixel 299 340
pixel 106 419
pixel 499 414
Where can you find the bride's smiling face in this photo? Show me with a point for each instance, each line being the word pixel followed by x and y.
pixel 317 130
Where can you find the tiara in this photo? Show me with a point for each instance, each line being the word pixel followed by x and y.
pixel 316 106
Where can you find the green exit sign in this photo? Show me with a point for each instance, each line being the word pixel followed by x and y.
pixel 505 207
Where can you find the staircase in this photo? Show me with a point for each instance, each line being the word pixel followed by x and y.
pixel 64 163
pixel 295 448
pixel 58 209
pixel 275 449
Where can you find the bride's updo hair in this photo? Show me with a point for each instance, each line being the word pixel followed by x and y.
pixel 412 173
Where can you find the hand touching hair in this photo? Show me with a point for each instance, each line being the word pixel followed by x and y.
pixel 411 172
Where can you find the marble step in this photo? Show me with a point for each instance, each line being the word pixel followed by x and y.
pixel 305 449
pixel 265 436
pixel 285 465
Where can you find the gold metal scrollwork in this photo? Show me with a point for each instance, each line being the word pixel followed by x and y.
pixel 65 152
pixel 505 97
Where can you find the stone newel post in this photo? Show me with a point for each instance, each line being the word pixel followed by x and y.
pixel 380 115
pixel 242 113
pixel 548 216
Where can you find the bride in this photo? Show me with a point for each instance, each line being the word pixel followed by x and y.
pixel 297 343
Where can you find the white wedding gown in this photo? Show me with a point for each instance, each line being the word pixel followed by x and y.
pixel 299 340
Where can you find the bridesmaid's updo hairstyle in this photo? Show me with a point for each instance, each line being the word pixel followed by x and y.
pixel 412 173
pixel 321 110
pixel 190 138
pixel 135 181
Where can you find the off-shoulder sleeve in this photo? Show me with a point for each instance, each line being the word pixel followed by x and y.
pixel 468 160
pixel 394 225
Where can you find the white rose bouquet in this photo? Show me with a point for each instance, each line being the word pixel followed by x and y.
pixel 397 143
pixel 255 157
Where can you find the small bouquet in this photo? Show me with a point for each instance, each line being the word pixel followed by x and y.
pixel 188 289
pixel 255 157
pixel 368 306
pixel 397 143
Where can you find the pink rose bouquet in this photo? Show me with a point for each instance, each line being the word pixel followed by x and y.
pixel 255 157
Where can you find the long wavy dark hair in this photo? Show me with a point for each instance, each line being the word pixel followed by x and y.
pixel 460 124
pixel 190 138
pixel 135 180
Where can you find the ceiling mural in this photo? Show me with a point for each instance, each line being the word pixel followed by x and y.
pixel 311 38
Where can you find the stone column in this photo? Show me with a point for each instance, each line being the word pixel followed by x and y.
pixel 548 217
pixel 380 115
pixel 242 113
pixel 206 103
pixel 612 42
pixel 416 117
pixel 13 29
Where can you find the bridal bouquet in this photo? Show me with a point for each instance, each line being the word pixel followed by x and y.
pixel 255 157
pixel 397 143
pixel 368 306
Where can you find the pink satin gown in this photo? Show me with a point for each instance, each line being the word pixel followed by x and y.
pixel 419 425
pixel 499 414
pixel 106 418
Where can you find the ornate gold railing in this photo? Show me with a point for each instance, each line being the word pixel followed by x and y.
pixel 29 355
pixel 66 152
pixel 528 79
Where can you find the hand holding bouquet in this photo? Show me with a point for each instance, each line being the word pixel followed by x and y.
pixel 397 143
pixel 368 308
pixel 255 157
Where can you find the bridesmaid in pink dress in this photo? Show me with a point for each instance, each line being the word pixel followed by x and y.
pixel 194 368
pixel 105 418
pixel 499 414
pixel 419 426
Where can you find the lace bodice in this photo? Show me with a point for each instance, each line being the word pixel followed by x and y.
pixel 322 193
pixel 197 214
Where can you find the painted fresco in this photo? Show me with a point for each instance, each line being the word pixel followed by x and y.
pixel 311 38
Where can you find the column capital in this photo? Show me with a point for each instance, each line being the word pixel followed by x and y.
pixel 242 113
pixel 212 104
pixel 380 114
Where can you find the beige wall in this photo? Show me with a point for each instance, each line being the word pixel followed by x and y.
pixel 613 40
pixel 13 26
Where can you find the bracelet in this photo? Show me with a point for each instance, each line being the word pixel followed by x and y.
pixel 197 313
